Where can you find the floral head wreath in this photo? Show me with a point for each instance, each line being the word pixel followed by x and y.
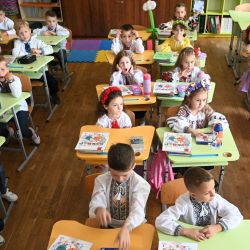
pixel 180 22
pixel 105 94
pixel 195 86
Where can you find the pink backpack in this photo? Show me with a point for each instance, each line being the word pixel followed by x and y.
pixel 157 166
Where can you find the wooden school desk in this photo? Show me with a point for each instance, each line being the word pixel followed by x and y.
pixel 141 237
pixel 8 38
pixel 168 101
pixel 9 102
pixel 35 71
pixel 241 21
pixel 55 42
pixel 122 135
pixel 143 34
pixel 132 102
pixel 237 238
pixel 144 58
pixel 205 155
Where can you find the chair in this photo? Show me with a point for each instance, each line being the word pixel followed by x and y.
pixel 131 115
pixel 170 191
pixel 88 188
pixel 143 69
pixel 168 112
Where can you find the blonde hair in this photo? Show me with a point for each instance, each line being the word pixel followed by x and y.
pixel 20 24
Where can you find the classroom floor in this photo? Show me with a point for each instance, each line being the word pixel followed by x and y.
pixel 50 188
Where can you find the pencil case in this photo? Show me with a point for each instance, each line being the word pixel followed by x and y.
pixel 27 59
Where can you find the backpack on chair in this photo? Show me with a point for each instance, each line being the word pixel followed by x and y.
pixel 157 166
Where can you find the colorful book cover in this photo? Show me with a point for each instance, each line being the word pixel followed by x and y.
pixel 137 143
pixel 168 245
pixel 166 57
pixel 217 23
pixel 205 139
pixel 124 89
pixel 63 242
pixel 165 88
pixel 92 142
pixel 113 32
pixel 177 143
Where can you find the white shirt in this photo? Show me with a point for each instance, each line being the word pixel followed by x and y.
pixel 58 29
pixel 136 46
pixel 123 121
pixel 118 78
pixel 8 25
pixel 139 190
pixel 183 210
pixel 19 47
pixel 16 91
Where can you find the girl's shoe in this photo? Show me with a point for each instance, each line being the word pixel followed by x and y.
pixel 2 240
pixel 35 137
pixel 9 196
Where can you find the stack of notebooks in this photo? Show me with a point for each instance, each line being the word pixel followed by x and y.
pixel 92 142
pixel 164 57
pixel 177 143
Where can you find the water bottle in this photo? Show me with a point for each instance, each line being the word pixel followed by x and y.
pixel 217 135
pixel 147 85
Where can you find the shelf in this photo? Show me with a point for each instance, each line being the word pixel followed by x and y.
pixel 214 12
pixel 39 5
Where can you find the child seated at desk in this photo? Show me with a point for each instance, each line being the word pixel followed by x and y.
pixel 185 70
pixel 195 113
pixel 12 84
pixel 200 206
pixel 27 44
pixel 119 197
pixel 177 41
pixel 110 109
pixel 124 71
pixel 54 29
pixel 179 14
pixel 127 39
pixel 6 24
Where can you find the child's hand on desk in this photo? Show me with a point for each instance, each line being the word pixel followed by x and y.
pixel 211 230
pixel 36 52
pixel 123 238
pixel 103 216
pixel 49 33
pixel 196 132
pixel 193 234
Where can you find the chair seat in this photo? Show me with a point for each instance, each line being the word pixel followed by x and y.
pixel 37 84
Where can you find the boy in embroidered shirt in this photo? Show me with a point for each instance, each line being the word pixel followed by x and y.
pixel 200 206
pixel 27 44
pixel 119 196
pixel 54 29
pixel 125 40
pixel 6 24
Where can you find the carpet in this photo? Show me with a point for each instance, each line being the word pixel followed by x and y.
pixel 89 50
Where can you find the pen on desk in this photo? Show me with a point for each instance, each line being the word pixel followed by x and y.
pixel 194 155
pixel 131 99
pixel 102 153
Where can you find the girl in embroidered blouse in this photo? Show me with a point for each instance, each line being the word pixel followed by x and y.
pixel 195 113
pixel 200 206
pixel 110 109
pixel 125 71
pixel 185 69
pixel 177 41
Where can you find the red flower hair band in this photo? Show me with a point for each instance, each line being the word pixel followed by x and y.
pixel 106 92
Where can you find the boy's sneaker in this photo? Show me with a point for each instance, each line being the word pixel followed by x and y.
pixel 35 137
pixel 2 240
pixel 9 196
